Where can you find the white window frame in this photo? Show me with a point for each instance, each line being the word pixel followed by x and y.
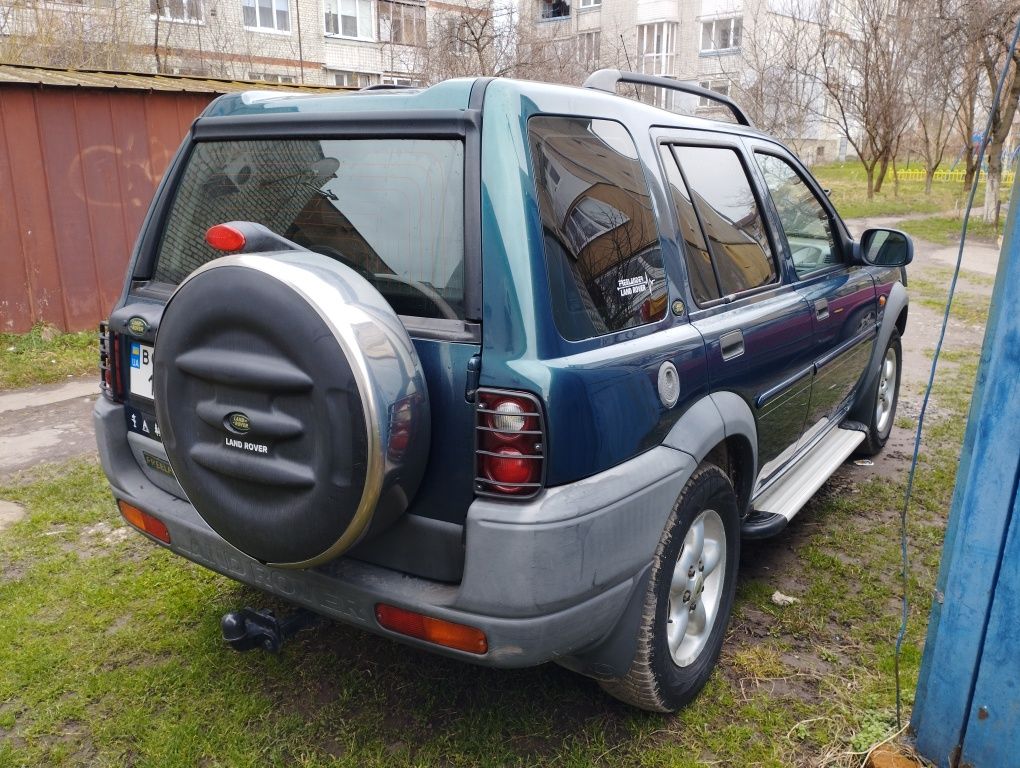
pixel 420 34
pixel 657 47
pixel 276 6
pixel 722 87
pixel 588 47
pixel 359 79
pixel 715 28
pixel 585 4
pixel 364 19
pixel 545 7
pixel 165 15
pixel 272 77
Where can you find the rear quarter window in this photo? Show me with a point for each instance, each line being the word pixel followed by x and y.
pixel 602 251
pixel 391 209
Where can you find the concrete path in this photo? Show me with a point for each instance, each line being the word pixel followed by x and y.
pixel 48 423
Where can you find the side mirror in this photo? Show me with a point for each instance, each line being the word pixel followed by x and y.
pixel 886 248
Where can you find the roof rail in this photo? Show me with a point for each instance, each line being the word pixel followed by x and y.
pixel 606 80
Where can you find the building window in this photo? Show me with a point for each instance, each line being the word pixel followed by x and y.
pixel 354 79
pixel 404 80
pixel 588 48
pixel 591 3
pixel 269 77
pixel 657 47
pixel 349 18
pixel 457 35
pixel 554 9
pixel 401 23
pixel 721 34
pixel 267 14
pixel 722 87
pixel 177 10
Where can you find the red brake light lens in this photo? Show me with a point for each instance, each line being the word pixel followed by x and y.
pixel 510 445
pixel 110 383
pixel 225 238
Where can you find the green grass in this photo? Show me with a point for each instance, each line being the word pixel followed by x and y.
pixel 42 356
pixel 848 185
pixel 112 653
pixel 946 229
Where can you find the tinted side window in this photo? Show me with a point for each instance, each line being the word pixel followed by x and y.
pixel 601 240
pixel 805 222
pixel 704 285
pixel 729 213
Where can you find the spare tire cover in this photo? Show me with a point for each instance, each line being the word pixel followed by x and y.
pixel 292 404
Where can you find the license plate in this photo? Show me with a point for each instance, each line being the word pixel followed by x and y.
pixel 141 370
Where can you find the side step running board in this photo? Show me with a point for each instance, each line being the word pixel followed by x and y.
pixel 777 504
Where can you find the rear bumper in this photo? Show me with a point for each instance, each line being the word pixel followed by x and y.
pixel 543 579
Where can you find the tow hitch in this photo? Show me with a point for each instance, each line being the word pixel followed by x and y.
pixel 247 628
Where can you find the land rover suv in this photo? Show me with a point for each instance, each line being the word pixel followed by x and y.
pixel 504 370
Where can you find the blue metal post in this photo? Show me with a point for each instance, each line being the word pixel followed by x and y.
pixel 967 694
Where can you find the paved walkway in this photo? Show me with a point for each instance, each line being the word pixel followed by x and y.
pixel 48 423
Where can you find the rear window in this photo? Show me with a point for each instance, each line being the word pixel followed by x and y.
pixel 391 209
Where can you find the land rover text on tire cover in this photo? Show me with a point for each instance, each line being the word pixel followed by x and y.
pixel 500 369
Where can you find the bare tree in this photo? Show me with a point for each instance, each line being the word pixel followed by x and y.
pixel 995 36
pixel 936 82
pixel 864 54
pixel 473 39
pixel 70 36
pixel 773 85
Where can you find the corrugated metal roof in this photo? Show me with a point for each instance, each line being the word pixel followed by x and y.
pixel 18 74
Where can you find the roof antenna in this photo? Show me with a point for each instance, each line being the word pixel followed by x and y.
pixel 637 88
pixel 625 54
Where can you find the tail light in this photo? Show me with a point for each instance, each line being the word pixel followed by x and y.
pixel 438 631
pixel 510 444
pixel 143 521
pixel 110 382
pixel 402 426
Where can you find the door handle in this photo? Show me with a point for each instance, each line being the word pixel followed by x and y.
pixel 731 345
pixel 821 309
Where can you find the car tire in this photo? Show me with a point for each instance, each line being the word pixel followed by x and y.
pixel 885 398
pixel 702 537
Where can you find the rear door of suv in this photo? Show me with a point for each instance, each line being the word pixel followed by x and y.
pixel 757 328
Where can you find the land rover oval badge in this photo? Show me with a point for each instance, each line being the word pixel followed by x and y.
pixel 239 422
pixel 137 325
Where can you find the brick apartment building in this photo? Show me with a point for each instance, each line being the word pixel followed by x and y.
pixel 315 42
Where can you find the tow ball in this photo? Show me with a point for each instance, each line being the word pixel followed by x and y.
pixel 247 628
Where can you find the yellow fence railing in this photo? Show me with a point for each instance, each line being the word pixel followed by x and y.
pixel 916 174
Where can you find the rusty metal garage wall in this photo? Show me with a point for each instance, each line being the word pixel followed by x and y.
pixel 78 168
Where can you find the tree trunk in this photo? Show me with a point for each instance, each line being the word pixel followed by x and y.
pixel 994 156
pixel 929 177
pixel 895 178
pixel 870 170
pixel 883 168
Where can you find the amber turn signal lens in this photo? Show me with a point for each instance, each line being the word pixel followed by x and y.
pixel 143 521
pixel 224 238
pixel 446 633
